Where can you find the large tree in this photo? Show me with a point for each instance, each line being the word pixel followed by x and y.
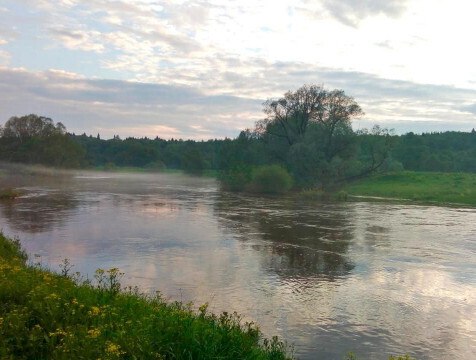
pixel 28 126
pixel 37 139
pixel 290 117
pixel 309 130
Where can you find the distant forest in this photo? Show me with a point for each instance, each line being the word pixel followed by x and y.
pixel 439 151
pixel 306 140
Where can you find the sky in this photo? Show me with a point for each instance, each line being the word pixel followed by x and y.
pixel 202 69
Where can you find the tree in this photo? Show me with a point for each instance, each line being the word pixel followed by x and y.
pixel 37 139
pixel 289 117
pixel 32 125
pixel 310 131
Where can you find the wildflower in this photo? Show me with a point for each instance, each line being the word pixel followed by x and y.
pixel 94 333
pixel 58 332
pixel 53 296
pixel 113 349
pixel 74 301
pixel 94 311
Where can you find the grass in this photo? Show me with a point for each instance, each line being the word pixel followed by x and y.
pixel 44 315
pixel 439 188
pixel 9 194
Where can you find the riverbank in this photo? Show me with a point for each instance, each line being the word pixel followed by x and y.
pixel 59 316
pixel 426 187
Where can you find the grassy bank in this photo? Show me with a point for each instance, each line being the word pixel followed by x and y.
pixel 9 194
pixel 438 188
pixel 44 315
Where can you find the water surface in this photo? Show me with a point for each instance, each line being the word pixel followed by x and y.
pixel 374 278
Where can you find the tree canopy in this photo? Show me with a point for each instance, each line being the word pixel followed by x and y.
pixel 37 139
pixel 32 125
pixel 290 117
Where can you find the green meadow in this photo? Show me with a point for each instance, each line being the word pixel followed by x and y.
pixel 427 187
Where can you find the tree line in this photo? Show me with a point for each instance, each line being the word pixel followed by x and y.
pixel 306 133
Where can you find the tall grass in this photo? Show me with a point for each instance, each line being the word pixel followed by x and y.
pixel 441 188
pixel 44 315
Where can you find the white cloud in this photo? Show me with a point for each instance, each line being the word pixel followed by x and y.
pixel 78 39
pixel 351 12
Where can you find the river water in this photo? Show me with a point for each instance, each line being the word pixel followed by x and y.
pixel 372 278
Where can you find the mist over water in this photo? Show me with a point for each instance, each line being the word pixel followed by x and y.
pixel 374 278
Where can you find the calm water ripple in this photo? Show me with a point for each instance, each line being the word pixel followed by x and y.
pixel 374 278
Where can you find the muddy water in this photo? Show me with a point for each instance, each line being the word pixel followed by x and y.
pixel 373 278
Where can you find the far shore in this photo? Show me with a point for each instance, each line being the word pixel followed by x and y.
pixel 434 188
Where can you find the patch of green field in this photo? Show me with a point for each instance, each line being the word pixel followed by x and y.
pixel 9 194
pixel 440 188
pixel 44 315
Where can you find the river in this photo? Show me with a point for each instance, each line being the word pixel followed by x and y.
pixel 372 278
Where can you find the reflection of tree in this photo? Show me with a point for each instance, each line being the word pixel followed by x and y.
pixel 35 214
pixel 295 239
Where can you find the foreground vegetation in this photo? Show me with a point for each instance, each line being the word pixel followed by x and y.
pixel 51 316
pixel 439 188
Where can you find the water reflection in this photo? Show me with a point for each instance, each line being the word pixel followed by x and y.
pixel 46 201
pixel 295 239
pixel 373 278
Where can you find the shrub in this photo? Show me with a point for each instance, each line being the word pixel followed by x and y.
pixel 271 179
pixel 9 194
pixel 236 179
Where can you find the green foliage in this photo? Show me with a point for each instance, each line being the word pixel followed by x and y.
pixel 444 152
pixel 236 178
pixel 50 316
pixel 270 179
pixel 307 131
pixel 9 194
pixel 10 250
pixel 157 165
pixel 37 140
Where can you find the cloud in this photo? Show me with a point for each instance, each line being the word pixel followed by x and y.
pixel 122 107
pixel 4 57
pixel 470 108
pixel 78 39
pixel 351 12
pixel 210 64
pixel 131 108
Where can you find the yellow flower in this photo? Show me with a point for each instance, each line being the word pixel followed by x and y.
pixel 58 332
pixel 53 296
pixel 74 301
pixel 94 311
pixel 113 349
pixel 94 333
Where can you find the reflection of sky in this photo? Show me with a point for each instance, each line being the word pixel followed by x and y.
pixel 373 278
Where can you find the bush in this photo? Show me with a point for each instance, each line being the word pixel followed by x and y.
pixel 237 178
pixel 271 179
